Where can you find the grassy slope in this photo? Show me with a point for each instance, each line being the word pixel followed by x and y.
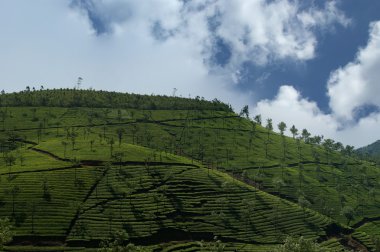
pixel 90 201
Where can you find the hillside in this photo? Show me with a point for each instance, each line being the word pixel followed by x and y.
pixel 371 151
pixel 173 176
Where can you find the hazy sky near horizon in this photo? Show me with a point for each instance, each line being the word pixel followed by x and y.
pixel 314 64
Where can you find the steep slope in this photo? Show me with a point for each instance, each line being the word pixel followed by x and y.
pixel 371 151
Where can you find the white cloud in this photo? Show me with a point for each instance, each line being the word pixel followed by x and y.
pixel 262 31
pixel 349 88
pixel 290 107
pixel 357 83
pixel 53 42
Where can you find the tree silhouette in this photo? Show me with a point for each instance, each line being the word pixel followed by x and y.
pixel 269 126
pixel 282 127
pixel 14 191
pixel 64 143
pixel 294 131
pixel 245 111
pixel 134 132
pixel 120 132
pixel 46 190
pixel 258 119
pixel 111 142
pixel 92 141
pixel 305 135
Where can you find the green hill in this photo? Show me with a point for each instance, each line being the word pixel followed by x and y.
pixel 371 151
pixel 172 174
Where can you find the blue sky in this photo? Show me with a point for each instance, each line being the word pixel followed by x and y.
pixel 310 63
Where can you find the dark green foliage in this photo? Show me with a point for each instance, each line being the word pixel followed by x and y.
pixel 105 99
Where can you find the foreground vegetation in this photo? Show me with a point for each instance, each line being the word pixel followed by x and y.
pixel 84 175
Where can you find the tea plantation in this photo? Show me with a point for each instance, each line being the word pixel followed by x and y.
pixel 197 177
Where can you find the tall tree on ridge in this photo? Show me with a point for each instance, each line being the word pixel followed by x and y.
pixel 269 126
pixel 282 127
pixel 294 131
pixel 305 135
pixel 258 119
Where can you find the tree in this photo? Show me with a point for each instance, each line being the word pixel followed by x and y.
pixel 157 197
pixel 304 203
pixel 349 213
pixel 22 158
pixel 134 132
pixel 46 190
pixel 282 127
pixel 299 148
pixel 258 119
pixel 119 155
pixel 92 141
pixel 73 137
pixel 278 184
pixel 111 142
pixel 301 176
pixel 305 135
pixel 119 115
pixel 328 145
pixel 6 233
pixel 120 132
pixel 10 160
pixel 269 126
pixel 245 111
pixel 349 150
pixel 15 190
pixel 64 143
pixel 294 131
pixel 253 132
pixel 248 209
pixel 3 116
pixel 300 244
pixel 79 82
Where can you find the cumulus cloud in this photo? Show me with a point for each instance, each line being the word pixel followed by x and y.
pixel 355 86
pixel 289 106
pixel 248 30
pixel 262 31
pixel 153 46
pixel 353 91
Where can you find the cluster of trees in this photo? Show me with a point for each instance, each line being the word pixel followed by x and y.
pixel 105 99
pixel 328 144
